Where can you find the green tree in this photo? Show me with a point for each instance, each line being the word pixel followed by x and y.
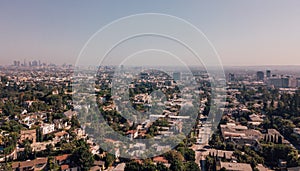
pixel 191 166
pixel 74 122
pixel 177 165
pixel 223 169
pixel 27 153
pixel 82 155
pixel 51 164
pixel 133 166
pixel 162 167
pixel 109 160
pixel 49 148
pixel 279 139
pixel 9 109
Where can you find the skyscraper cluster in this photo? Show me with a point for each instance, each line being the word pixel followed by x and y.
pixel 33 63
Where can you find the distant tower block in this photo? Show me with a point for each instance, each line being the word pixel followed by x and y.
pixel 176 76
pixel 260 75
pixel 231 77
pixel 268 73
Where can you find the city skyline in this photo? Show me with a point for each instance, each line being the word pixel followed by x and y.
pixel 21 62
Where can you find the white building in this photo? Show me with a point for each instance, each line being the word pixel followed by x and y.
pixel 47 128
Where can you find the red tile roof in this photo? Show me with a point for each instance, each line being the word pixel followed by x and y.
pixel 160 160
pixel 64 167
pixel 31 163
pixel 62 157
pixel 131 132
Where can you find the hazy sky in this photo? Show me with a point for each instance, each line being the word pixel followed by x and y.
pixel 252 32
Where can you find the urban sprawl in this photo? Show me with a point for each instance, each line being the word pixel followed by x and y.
pixel 41 115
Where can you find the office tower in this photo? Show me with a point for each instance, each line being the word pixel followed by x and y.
pixel 16 63
pixel 24 64
pixel 292 82
pixel 34 63
pixel 231 77
pixel 176 76
pixel 268 73
pixel 285 82
pixel 298 82
pixel 279 82
pixel 260 75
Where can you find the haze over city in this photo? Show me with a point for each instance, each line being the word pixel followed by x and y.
pixel 243 33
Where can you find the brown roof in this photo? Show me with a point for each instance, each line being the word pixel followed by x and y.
pixel 99 163
pixel 30 163
pixel 253 132
pixel 160 160
pixel 70 113
pixel 131 132
pixel 260 167
pixel 62 157
pixel 139 161
pixel 59 134
pixel 273 132
pixel 236 166
pixel 95 168
pixel 110 140
pixel 64 167
pixel 32 131
pixel 120 167
pixel 293 168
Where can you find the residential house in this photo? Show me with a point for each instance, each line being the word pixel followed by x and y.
pixel 63 159
pixel 234 166
pixel 28 134
pixel 36 164
pixel 47 128
pixel 61 135
pixel 70 113
pixel 120 167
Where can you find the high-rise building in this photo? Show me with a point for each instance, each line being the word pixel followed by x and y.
pixel 176 76
pixel 24 63
pixel 285 82
pixel 298 82
pixel 292 82
pixel 231 77
pixel 260 75
pixel 268 73
pixel 17 63
pixel 34 63
pixel 279 82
